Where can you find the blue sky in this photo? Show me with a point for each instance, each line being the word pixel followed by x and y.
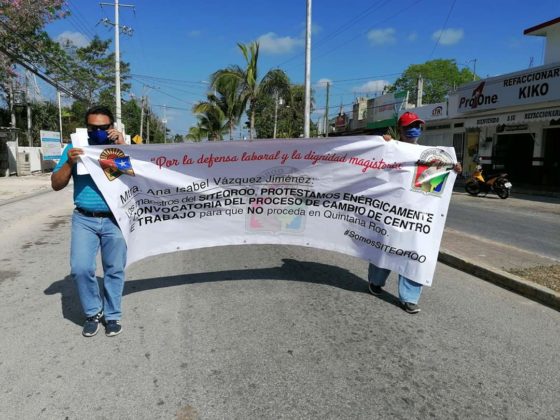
pixel 357 45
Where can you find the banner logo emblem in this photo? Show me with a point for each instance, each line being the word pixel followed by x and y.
pixel 114 163
pixel 432 171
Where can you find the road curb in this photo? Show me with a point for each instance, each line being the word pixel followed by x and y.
pixel 503 279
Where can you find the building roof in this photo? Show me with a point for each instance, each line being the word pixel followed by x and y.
pixel 541 28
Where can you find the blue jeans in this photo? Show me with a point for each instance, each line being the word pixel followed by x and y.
pixel 409 291
pixel 89 234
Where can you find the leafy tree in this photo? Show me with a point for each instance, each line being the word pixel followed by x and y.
pixel 21 34
pixel 290 115
pixel 93 73
pixel 440 76
pixel 153 132
pixel 177 138
pixel 131 114
pixel 45 117
pixel 264 116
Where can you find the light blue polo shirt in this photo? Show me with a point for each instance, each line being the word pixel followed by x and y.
pixel 86 194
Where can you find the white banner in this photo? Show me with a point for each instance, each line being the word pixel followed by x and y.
pixel 385 202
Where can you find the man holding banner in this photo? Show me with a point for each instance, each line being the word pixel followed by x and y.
pixel 385 202
pixel 410 129
pixel 94 227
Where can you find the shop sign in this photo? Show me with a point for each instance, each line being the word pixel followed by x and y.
pixel 388 106
pixel 521 117
pixel 431 112
pixel 540 84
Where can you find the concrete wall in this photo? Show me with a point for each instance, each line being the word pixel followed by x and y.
pixel 36 162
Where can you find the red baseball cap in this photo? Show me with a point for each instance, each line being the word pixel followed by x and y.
pixel 408 118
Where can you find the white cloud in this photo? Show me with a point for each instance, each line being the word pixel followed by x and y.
pixel 273 44
pixel 374 87
pixel 382 36
pixel 195 33
pixel 448 36
pixel 412 37
pixel 322 83
pixel 76 39
pixel 315 29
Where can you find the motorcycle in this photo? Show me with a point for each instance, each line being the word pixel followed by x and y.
pixel 497 183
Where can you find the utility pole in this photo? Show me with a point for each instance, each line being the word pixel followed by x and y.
pixel 278 101
pixel 164 121
pixel 275 113
pixel 28 107
pixel 59 113
pixel 327 111
pixel 118 29
pixel 147 123
pixel 12 105
pixel 307 115
pixel 474 69
pixel 117 68
pixel 419 90
pixel 142 118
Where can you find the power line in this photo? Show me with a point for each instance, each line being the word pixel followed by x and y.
pixel 170 107
pixel 168 94
pixel 366 78
pixel 405 9
pixel 32 47
pixel 77 19
pixel 145 76
pixel 442 29
pixel 165 84
pixel 363 14
pixel 34 70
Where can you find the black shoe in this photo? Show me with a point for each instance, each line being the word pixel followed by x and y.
pixel 91 326
pixel 409 307
pixel 375 290
pixel 113 327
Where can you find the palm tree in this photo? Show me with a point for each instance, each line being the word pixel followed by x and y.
pixel 196 133
pixel 211 118
pixel 226 96
pixel 246 80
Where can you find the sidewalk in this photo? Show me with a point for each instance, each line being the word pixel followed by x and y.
pixel 15 188
pixel 495 261
pixel 488 260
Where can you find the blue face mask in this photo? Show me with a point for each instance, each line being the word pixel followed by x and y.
pixel 97 137
pixel 412 134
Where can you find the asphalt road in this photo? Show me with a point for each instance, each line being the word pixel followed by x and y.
pixel 530 223
pixel 253 332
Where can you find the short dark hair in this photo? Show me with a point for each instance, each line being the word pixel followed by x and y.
pixel 100 110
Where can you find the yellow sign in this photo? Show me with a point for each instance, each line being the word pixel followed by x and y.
pixel 137 139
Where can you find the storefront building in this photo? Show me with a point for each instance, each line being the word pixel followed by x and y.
pixel 513 121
